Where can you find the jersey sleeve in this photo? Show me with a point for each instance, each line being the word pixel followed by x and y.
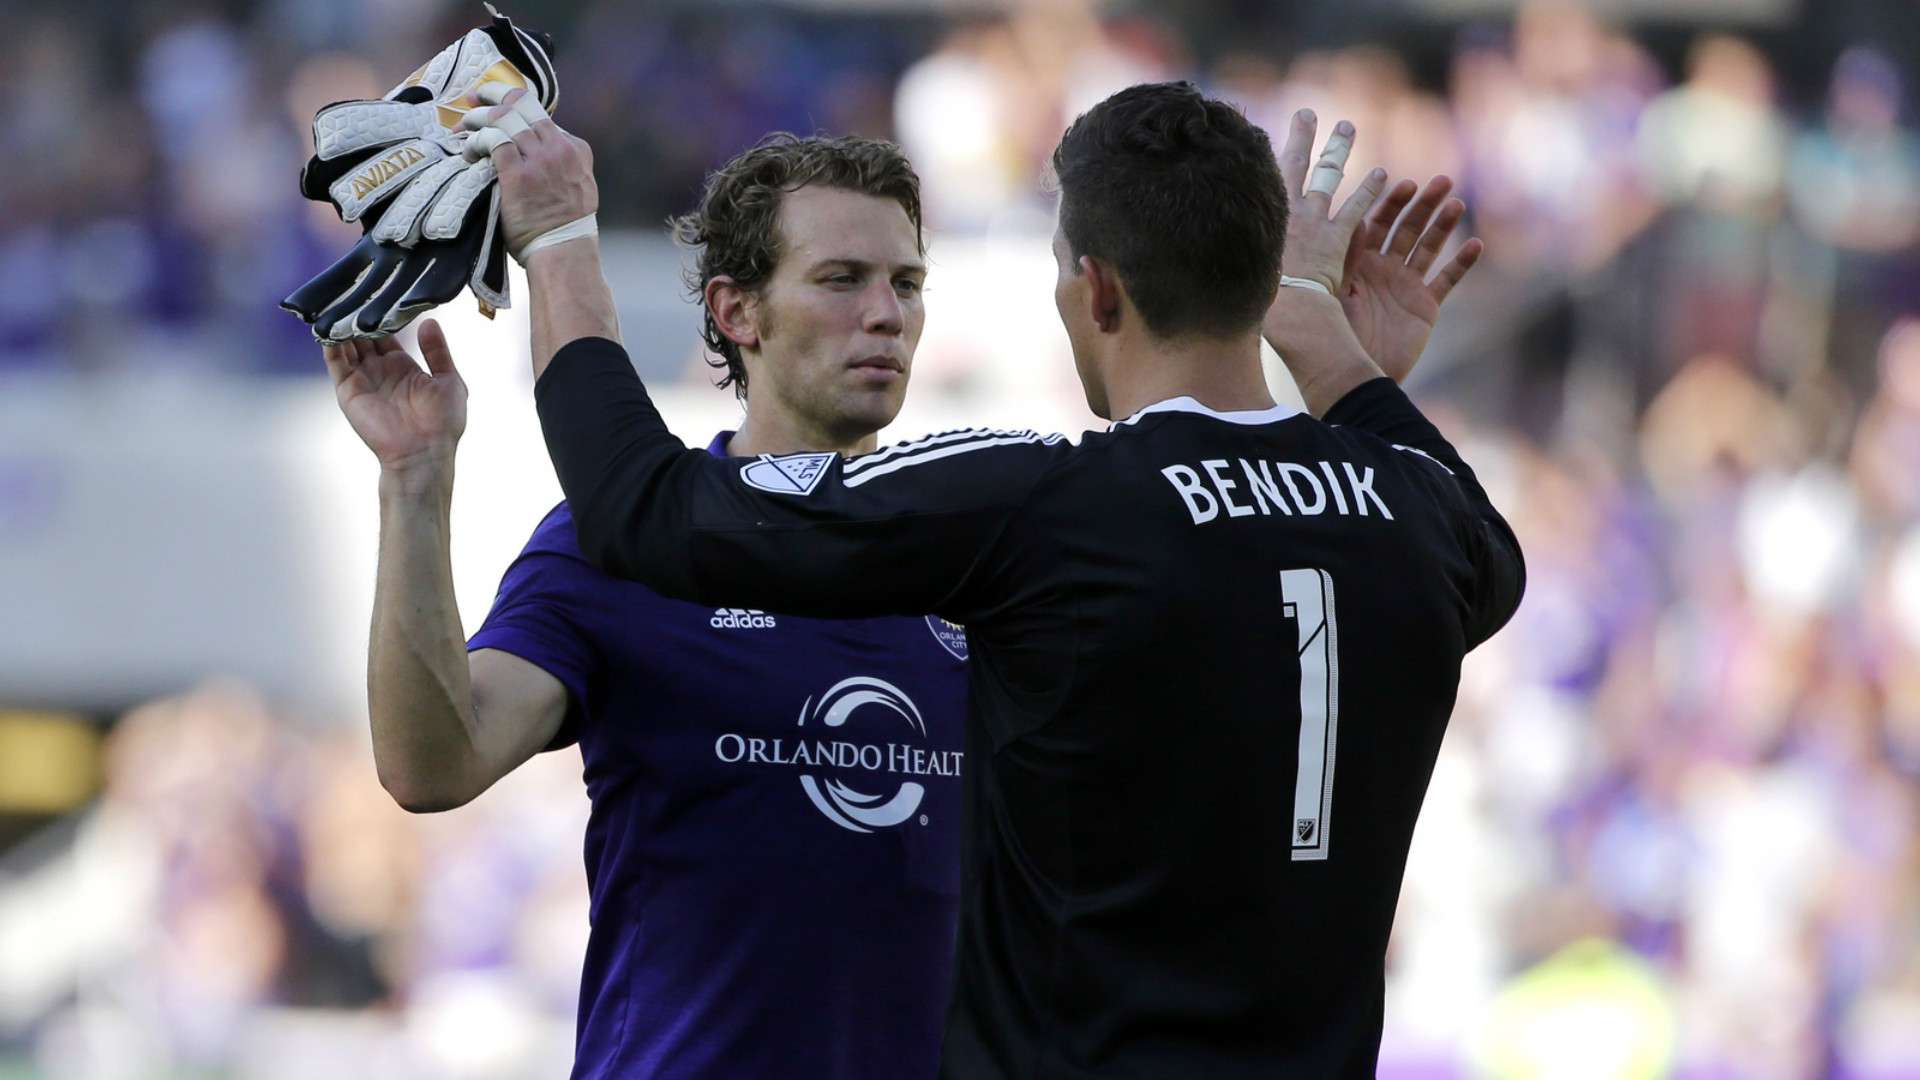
pixel 895 532
pixel 1379 407
pixel 535 616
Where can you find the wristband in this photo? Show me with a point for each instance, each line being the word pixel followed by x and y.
pixel 572 230
pixel 1287 282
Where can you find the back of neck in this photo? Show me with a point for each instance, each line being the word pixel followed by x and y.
pixel 1224 374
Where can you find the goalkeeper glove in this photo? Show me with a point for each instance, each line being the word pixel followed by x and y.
pixel 431 217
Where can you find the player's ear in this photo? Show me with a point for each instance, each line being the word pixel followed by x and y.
pixel 733 311
pixel 1103 293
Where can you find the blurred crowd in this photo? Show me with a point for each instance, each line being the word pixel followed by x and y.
pixel 1675 829
pixel 245 900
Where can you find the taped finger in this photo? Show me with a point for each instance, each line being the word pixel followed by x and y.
pixel 486 142
pixel 498 93
pixel 529 109
pixel 514 124
pixel 476 119
pixel 1331 167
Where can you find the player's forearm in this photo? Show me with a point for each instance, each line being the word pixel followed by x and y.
pixel 419 693
pixel 627 479
pixel 1311 333
pixel 571 299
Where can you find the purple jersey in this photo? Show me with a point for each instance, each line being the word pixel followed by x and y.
pixel 773 846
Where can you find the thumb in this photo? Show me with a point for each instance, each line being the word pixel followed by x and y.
pixel 433 346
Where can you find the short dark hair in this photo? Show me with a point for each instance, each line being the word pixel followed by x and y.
pixel 736 228
pixel 1180 193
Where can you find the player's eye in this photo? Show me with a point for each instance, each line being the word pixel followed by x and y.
pixel 842 279
pixel 907 286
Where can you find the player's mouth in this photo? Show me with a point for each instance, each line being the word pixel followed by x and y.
pixel 878 368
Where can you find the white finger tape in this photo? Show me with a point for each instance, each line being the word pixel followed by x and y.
pixel 511 122
pixel 1332 165
pixel 530 108
pixel 493 93
pixel 485 142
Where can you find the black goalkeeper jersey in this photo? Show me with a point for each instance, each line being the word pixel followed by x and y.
pixel 1212 658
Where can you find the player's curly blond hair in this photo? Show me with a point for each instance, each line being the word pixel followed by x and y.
pixel 736 228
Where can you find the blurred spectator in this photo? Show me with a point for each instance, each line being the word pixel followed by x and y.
pixel 1855 181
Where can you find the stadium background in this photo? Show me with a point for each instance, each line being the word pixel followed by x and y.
pixel 1673 827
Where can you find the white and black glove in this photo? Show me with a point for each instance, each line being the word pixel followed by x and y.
pixel 409 171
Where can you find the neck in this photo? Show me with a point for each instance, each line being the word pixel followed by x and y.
pixel 1224 374
pixel 770 430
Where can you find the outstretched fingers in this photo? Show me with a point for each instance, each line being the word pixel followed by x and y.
pixel 1455 269
pixel 1354 210
pixel 1298 151
pixel 433 346
pixel 1379 224
pixel 1409 228
pixel 1435 238
pixel 339 360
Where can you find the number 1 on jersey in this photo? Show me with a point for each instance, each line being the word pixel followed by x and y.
pixel 1306 596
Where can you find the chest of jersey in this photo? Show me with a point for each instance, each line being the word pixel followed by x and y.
pixel 791 736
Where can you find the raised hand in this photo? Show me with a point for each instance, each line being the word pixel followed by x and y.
pixel 546 173
pixel 406 415
pixel 1318 239
pixel 1388 296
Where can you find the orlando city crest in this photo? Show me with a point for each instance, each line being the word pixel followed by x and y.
pixel 951 635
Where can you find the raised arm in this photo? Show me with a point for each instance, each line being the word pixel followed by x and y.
pixel 1392 293
pixel 548 203
pixel 899 531
pixel 445 725
pixel 1306 324
pixel 1377 263
pixel 1351 341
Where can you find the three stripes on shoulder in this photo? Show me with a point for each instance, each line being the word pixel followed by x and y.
pixel 935 447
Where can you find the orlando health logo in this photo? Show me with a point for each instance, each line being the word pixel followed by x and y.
pixel 842 803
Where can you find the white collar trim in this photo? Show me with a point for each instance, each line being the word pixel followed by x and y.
pixel 1247 417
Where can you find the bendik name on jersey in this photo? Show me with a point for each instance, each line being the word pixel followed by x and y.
pixel 1241 488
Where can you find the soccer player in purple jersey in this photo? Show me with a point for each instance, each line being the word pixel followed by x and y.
pixel 773 846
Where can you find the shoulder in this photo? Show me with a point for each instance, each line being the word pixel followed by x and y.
pixel 551 558
pixel 552 569
pixel 554 535
pixel 1003 453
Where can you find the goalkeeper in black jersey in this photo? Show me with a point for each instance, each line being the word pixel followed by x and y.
pixel 1214 648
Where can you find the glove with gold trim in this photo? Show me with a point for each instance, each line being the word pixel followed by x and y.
pixel 430 213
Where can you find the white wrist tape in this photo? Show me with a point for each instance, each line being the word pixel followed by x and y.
pixel 572 230
pixel 1296 283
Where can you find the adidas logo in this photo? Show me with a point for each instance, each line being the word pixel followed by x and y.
pixel 740 619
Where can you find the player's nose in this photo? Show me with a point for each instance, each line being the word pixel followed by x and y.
pixel 883 312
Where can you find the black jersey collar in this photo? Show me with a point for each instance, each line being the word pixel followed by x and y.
pixel 1249 417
